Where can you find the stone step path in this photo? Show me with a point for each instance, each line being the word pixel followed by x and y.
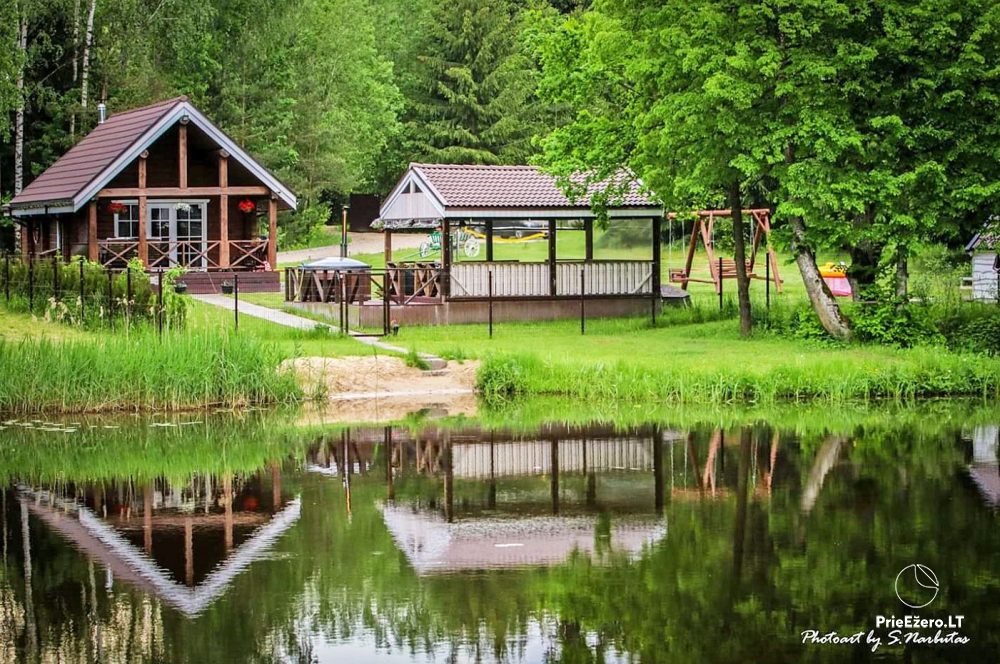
pixel 298 322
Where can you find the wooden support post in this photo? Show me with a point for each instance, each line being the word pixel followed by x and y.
pixel 224 210
pixel 272 233
pixel 387 249
pixel 91 231
pixel 552 257
pixel 188 552
pixel 182 155
pixel 588 232
pixel 489 240
pixel 446 258
pixel 143 239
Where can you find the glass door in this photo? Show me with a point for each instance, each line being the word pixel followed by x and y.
pixel 176 233
pixel 189 233
pixel 161 252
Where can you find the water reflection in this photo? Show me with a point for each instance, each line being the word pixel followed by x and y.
pixel 560 543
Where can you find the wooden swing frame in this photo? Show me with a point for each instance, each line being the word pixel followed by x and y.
pixel 703 228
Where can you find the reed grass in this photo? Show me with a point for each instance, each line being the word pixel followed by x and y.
pixel 141 371
pixel 893 374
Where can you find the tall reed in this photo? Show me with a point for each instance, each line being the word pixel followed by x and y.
pixel 141 371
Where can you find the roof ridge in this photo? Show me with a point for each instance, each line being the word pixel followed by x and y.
pixel 164 102
pixel 510 167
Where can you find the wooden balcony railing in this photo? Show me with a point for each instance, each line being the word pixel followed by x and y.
pixel 245 255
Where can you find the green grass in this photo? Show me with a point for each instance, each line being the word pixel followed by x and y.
pixel 48 367
pixel 702 362
pixel 140 371
pixel 288 341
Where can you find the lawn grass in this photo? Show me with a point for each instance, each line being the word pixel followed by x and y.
pixel 697 362
pixel 17 326
pixel 289 342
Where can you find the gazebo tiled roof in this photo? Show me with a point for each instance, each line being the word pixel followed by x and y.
pixel 461 185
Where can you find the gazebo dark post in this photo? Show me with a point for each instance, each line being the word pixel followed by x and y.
pixel 588 232
pixel 552 257
pixel 489 240
pixel 446 258
pixel 657 259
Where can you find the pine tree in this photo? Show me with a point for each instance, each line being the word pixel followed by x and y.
pixel 474 94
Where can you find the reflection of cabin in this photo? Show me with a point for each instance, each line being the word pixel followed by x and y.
pixel 164 185
pixel 985 467
pixel 182 547
pixel 985 266
pixel 468 211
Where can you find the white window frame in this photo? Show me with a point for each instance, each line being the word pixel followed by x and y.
pixel 131 221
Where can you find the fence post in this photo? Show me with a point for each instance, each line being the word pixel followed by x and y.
pixel 489 297
pixel 111 301
pixel 55 277
pixel 721 282
pixel 31 284
pixel 236 300
pixel 159 303
pixel 583 304
pixel 343 299
pixel 83 296
pixel 385 304
pixel 128 293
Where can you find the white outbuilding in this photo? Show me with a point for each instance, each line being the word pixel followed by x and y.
pixel 985 266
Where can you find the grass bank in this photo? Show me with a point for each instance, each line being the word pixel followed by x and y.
pixel 140 371
pixel 698 362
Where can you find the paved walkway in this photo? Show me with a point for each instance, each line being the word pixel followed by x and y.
pixel 298 322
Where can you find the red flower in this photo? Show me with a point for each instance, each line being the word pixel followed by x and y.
pixel 116 207
pixel 247 206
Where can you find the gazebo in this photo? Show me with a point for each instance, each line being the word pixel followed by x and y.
pixel 469 211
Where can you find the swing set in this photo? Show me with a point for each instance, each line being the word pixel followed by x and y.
pixel 703 229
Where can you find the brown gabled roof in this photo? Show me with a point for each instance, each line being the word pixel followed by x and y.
pixel 476 186
pixel 86 160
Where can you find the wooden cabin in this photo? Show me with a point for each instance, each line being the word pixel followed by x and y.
pixel 465 212
pixel 165 185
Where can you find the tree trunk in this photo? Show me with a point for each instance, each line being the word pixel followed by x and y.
pixel 22 48
pixel 739 242
pixel 85 64
pixel 902 272
pixel 76 62
pixel 823 303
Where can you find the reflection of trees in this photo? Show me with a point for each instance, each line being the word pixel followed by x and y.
pixel 736 578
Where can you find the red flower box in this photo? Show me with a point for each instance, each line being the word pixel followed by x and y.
pixel 247 206
pixel 117 208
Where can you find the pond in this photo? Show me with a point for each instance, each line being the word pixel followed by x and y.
pixel 716 536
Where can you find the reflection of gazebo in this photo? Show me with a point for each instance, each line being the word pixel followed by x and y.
pixel 100 539
pixel 433 545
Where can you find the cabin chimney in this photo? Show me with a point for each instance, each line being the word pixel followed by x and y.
pixel 102 112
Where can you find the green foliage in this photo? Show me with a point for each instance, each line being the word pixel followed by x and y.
pixel 305 228
pixel 53 291
pixel 414 360
pixel 895 323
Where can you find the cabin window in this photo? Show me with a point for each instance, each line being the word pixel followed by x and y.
pixel 127 221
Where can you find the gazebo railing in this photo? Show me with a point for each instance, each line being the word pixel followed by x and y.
pixel 531 280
